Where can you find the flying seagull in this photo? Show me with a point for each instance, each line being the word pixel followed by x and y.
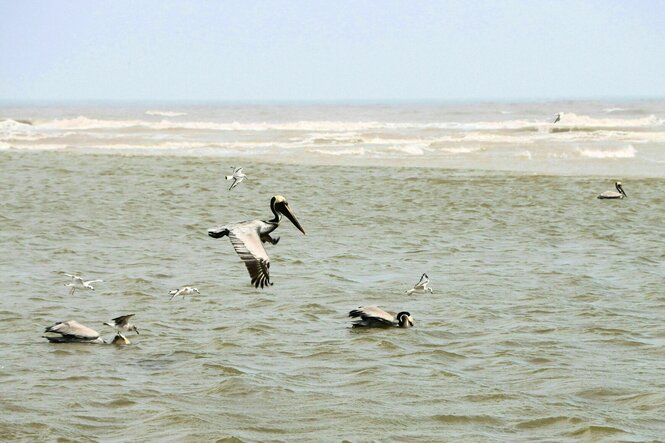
pixel 247 238
pixel 558 117
pixel 237 177
pixel 421 286
pixel 74 332
pixel 122 324
pixel 78 283
pixel 375 317
pixel 185 290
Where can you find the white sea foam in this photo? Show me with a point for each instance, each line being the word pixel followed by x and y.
pixel 166 113
pixel 626 152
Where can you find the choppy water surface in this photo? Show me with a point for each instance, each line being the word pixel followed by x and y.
pixel 546 322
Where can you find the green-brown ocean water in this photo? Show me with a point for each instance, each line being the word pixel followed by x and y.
pixel 546 321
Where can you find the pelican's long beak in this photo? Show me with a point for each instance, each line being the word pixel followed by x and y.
pixel 622 191
pixel 286 210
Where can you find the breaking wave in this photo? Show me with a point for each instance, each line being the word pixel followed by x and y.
pixel 627 152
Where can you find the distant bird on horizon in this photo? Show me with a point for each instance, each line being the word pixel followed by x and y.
pixel 74 332
pixel 375 317
pixel 558 117
pixel 122 324
pixel 614 194
pixel 78 283
pixel 247 238
pixel 422 286
pixel 238 176
pixel 185 290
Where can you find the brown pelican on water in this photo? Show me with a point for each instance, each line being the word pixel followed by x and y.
pixel 74 332
pixel 247 238
pixel 614 194
pixel 375 317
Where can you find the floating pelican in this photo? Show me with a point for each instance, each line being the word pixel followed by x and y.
pixel 78 283
pixel 185 290
pixel 558 117
pixel 375 317
pixel 74 332
pixel 237 176
pixel 247 238
pixel 614 194
pixel 122 324
pixel 421 286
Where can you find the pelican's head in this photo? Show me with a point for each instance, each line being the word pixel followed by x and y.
pixel 404 319
pixel 120 339
pixel 279 204
pixel 619 187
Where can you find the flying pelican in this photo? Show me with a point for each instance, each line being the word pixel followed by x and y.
pixel 122 324
pixel 74 332
pixel 558 117
pixel 421 286
pixel 375 317
pixel 78 283
pixel 185 290
pixel 247 238
pixel 614 194
pixel 237 177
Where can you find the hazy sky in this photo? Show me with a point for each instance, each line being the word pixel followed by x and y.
pixel 331 50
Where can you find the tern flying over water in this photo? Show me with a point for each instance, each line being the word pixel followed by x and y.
pixel 78 283
pixel 375 317
pixel 421 286
pixel 74 332
pixel 122 324
pixel 614 194
pixel 185 290
pixel 237 177
pixel 558 117
pixel 247 238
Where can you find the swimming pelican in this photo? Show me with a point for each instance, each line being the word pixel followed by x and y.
pixel 247 238
pixel 421 286
pixel 237 177
pixel 78 283
pixel 74 332
pixel 375 317
pixel 558 117
pixel 185 290
pixel 122 324
pixel 614 194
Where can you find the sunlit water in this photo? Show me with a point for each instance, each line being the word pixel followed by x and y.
pixel 546 321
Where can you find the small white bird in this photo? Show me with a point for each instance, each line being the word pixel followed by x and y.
pixel 619 193
pixel 185 290
pixel 237 177
pixel 421 286
pixel 122 324
pixel 558 117
pixel 78 283
pixel 375 317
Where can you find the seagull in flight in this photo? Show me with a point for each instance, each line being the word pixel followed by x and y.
pixel 122 324
pixel 237 177
pixel 78 283
pixel 185 290
pixel 558 117
pixel 421 286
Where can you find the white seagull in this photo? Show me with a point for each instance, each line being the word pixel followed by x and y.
pixel 247 238
pixel 78 283
pixel 375 317
pixel 122 324
pixel 185 290
pixel 74 332
pixel 237 177
pixel 614 194
pixel 421 286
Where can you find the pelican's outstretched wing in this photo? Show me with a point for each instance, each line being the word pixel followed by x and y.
pixel 373 313
pixel 246 242
pixel 74 329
